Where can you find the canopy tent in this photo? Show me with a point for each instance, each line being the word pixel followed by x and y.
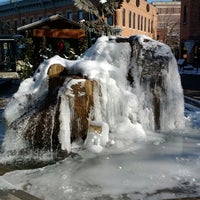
pixel 54 35
pixel 54 26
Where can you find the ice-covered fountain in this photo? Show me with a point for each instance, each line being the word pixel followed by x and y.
pixel 119 110
pixel 121 89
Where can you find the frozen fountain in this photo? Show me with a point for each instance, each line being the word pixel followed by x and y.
pixel 121 89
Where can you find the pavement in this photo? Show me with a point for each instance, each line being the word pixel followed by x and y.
pixel 16 195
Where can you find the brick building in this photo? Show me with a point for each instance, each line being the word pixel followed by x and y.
pixel 168 29
pixel 134 17
pixel 190 31
pixel 137 17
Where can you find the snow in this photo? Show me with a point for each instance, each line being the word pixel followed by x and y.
pixel 124 158
pixel 102 1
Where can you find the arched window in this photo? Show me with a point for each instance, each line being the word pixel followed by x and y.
pixel 137 3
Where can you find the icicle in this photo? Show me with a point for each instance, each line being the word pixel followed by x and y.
pixel 65 132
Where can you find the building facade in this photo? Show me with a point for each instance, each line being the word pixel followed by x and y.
pixel 134 17
pixel 168 25
pixel 190 31
pixel 137 17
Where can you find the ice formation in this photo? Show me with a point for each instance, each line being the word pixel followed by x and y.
pixel 136 90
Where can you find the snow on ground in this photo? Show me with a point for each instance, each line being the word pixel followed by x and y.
pixel 189 69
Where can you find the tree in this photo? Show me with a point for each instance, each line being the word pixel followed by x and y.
pixel 169 29
pixel 100 10
pixel 26 67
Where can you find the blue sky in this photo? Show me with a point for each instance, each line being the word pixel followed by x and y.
pixel 2 1
pixel 157 0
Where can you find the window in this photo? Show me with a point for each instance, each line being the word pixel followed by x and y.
pixel 23 22
pixel 199 14
pixel 172 10
pixel 80 15
pixel 185 14
pixel 8 24
pixel 149 25
pixel 141 23
pixel 124 17
pixel 137 3
pixel 161 25
pixel 130 19
pixel 110 20
pixel 91 17
pixel 138 22
pixel 145 24
pixel 15 25
pixel 147 8
pixel 70 15
pixel 134 20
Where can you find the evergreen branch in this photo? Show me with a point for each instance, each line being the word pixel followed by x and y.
pixel 110 6
pixel 87 6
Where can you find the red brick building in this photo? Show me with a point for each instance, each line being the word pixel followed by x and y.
pixel 137 17
pixel 190 31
